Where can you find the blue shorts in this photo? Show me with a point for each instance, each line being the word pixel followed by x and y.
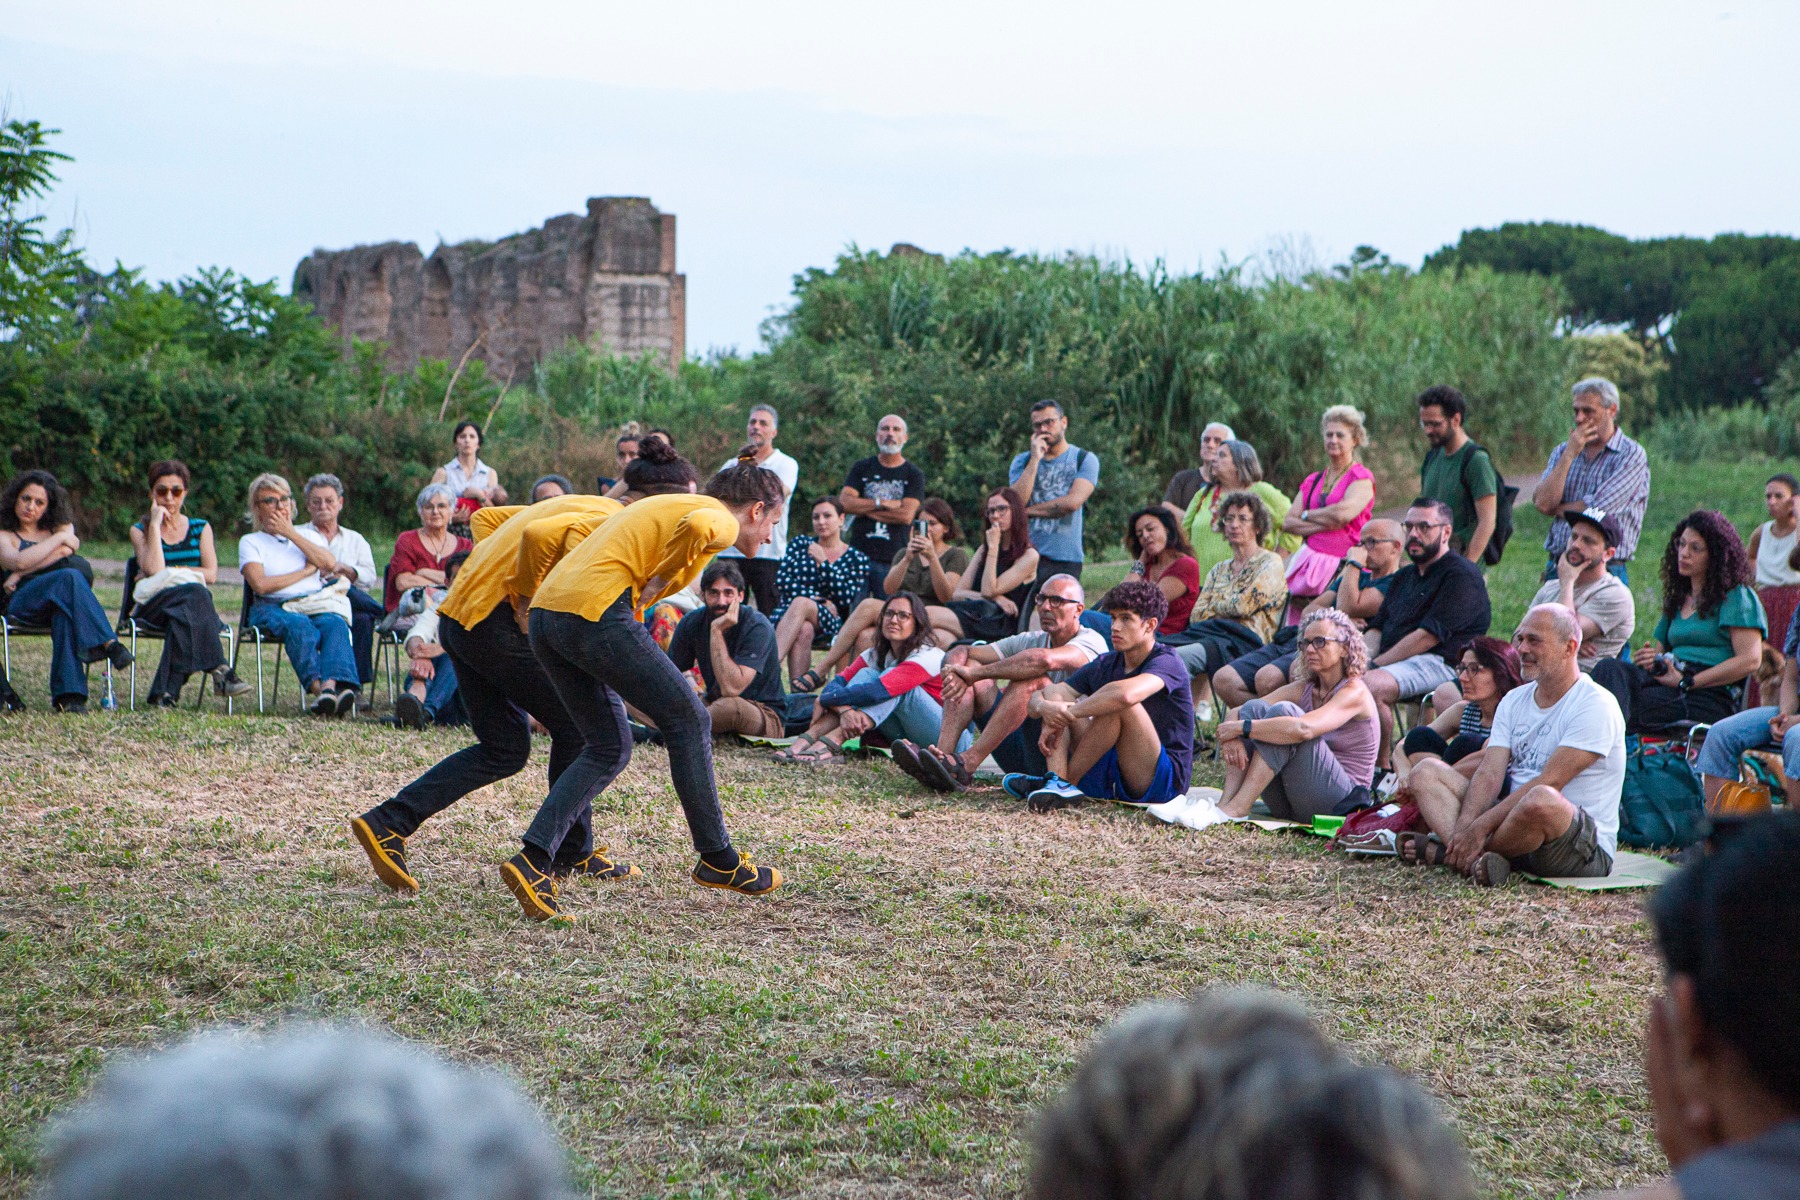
pixel 1103 781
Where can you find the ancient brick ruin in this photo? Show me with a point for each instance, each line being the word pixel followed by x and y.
pixel 606 279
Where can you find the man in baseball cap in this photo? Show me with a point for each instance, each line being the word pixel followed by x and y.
pixel 1601 602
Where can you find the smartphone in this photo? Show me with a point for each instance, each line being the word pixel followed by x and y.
pixel 920 529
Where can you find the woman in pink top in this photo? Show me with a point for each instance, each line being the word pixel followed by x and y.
pixel 1331 509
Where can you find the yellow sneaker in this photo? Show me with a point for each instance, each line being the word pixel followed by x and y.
pixel 386 850
pixel 747 878
pixel 536 891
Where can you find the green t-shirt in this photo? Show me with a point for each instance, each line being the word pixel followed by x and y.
pixel 1443 478
pixel 1706 641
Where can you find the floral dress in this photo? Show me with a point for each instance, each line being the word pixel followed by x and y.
pixel 844 582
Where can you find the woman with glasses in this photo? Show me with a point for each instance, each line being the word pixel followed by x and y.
pixel 285 569
pixel 1161 554
pixel 420 554
pixel 1235 468
pixel 1306 746
pixel 1333 506
pixel 1240 604
pixel 176 565
pixel 895 687
pixel 1489 669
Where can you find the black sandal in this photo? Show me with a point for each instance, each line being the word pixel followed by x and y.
pixel 811 681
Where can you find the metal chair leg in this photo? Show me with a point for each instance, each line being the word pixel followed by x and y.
pixel 133 666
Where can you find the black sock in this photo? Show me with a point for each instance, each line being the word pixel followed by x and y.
pixel 722 860
pixel 537 858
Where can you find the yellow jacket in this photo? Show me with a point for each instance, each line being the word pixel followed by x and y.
pixel 482 584
pixel 657 546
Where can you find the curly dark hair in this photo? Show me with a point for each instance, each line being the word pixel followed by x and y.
pixel 59 513
pixel 1260 516
pixel 1727 564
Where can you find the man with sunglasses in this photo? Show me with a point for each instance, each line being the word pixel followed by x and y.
pixel 1053 480
pixel 1025 663
pixel 1433 608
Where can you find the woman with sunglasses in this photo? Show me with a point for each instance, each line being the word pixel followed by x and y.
pixel 177 564
pixel 1489 669
pixel 1306 746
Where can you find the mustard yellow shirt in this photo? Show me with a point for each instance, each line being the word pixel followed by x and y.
pixel 484 521
pixel 547 540
pixel 481 585
pixel 669 539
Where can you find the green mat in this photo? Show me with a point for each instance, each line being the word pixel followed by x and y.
pixel 1630 870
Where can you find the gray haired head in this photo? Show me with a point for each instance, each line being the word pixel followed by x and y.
pixel 1563 621
pixel 1595 385
pixel 311 1113
pixel 325 479
pixel 1243 457
pixel 435 491
pixel 774 417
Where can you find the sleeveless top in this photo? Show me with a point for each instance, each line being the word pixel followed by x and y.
pixel 1772 552
pixel 1335 543
pixel 1471 723
pixel 186 552
pixel 1353 743
pixel 460 481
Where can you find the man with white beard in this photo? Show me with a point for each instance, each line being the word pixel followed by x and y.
pixel 882 494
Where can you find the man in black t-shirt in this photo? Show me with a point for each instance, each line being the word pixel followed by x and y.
pixel 882 494
pixel 734 647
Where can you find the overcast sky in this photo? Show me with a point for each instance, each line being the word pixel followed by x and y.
pixel 246 134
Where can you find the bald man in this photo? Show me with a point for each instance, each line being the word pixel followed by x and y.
pixel 882 494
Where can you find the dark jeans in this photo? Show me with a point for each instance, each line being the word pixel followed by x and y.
pixel 441 705
pixel 759 577
pixel 1650 707
pixel 365 613
pixel 499 681
pixel 597 667
pixel 318 646
pixel 1057 566
pixel 79 630
pixel 190 626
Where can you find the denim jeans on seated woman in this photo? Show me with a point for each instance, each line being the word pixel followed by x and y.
pixel 912 715
pixel 79 630
pixel 318 646
pixel 1748 730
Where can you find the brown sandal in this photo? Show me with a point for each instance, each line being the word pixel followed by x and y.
pixel 1491 870
pixel 1416 849
pixel 947 770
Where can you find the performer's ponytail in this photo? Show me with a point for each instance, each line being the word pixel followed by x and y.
pixel 744 483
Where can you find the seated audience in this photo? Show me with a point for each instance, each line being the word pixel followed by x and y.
pixel 1432 609
pixel 419 554
pixel 1720 1056
pixel 1361 583
pixel 1773 555
pixel 1162 555
pixel 821 579
pixel 1583 583
pixel 1235 468
pixel 1544 796
pixel 894 688
pixel 1333 506
pixel 1309 745
pixel 325 496
pixel 1122 727
pixel 285 569
pixel 548 487
pixel 430 696
pixel 48 583
pixel 176 563
pixel 1754 728
pixel 1024 662
pixel 311 1112
pixel 1240 604
pixel 472 483
pixel 928 566
pixel 1465 713
pixel 1183 485
pixel 1709 640
pixel 1237 1093
pixel 734 647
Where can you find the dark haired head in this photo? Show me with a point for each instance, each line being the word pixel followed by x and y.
pixel 889 651
pixel 725 569
pixel 162 468
pixel 831 500
pixel 462 425
pixel 1785 479
pixel 1139 597
pixel 1447 398
pixel 1500 659
pixel 59 513
pixel 1177 540
pixel 454 563
pixel 1015 539
pixel 1260 517
pixel 939 508
pixel 1041 405
pixel 658 469
pixel 744 483
pixel 1727 564
pixel 561 481
pixel 1730 922
pixel 1439 511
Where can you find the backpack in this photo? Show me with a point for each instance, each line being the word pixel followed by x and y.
pixel 1504 498
pixel 1661 805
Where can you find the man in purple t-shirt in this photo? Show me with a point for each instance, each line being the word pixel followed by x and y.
pixel 1121 727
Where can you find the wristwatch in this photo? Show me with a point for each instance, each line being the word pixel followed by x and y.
pixel 1247 721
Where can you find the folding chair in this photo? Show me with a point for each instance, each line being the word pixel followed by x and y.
pixel 10 629
pixel 258 638
pixel 131 626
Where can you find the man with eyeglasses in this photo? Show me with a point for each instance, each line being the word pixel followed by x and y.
pixel 1053 480
pixel 1432 610
pixel 1025 663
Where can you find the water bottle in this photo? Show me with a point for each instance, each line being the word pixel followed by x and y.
pixel 109 702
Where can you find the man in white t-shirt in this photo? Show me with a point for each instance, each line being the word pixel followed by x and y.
pixel 1545 795
pixel 759 572
pixel 1025 662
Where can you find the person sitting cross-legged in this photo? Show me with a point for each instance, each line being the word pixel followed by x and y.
pixel 430 697
pixel 1024 662
pixel 734 647
pixel 1122 727
pixel 1308 745
pixel 1778 723
pixel 1544 797
pixel 894 688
